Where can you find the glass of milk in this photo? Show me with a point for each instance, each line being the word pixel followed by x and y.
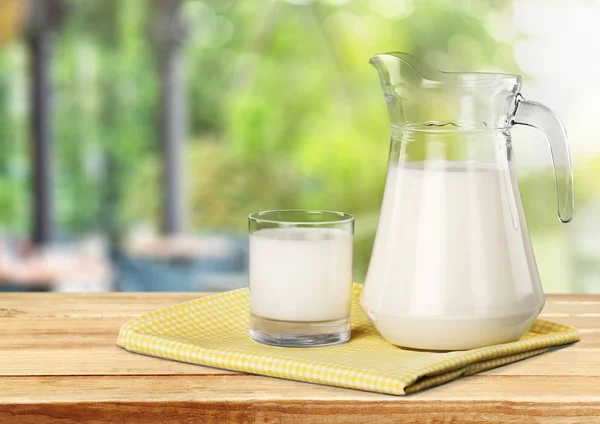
pixel 300 277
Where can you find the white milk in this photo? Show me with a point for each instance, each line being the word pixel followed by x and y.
pixel 300 274
pixel 452 266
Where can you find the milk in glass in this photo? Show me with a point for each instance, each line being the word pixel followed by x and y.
pixel 300 274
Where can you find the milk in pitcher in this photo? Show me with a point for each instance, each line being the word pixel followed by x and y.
pixel 449 268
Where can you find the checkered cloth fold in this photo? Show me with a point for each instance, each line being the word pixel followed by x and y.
pixel 213 331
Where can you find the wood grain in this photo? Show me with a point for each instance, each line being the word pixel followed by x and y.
pixel 261 399
pixel 59 363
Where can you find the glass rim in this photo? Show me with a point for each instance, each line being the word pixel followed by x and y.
pixel 343 217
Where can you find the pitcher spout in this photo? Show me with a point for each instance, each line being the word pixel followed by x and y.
pixel 405 69
pixel 417 93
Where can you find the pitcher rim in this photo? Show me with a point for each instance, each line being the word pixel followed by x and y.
pixel 460 79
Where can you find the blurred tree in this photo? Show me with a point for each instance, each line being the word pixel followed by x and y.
pixel 14 199
pixel 107 80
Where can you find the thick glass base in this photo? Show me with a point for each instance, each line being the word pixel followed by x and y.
pixel 299 334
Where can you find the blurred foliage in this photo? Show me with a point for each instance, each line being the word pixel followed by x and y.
pixel 284 110
pixel 12 16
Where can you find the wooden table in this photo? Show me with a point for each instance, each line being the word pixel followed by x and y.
pixel 59 362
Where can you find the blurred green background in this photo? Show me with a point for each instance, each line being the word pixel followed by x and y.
pixel 283 111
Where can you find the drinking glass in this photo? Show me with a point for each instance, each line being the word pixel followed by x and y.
pixel 300 277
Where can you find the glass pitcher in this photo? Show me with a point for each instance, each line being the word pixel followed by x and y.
pixel 452 266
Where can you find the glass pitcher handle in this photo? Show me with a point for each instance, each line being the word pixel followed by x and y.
pixel 538 116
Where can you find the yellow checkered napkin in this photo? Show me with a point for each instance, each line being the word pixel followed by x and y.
pixel 213 331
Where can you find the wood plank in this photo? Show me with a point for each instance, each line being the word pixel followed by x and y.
pixel 579 322
pixel 20 305
pixel 108 360
pixel 98 298
pixel 77 346
pixel 30 331
pixel 59 332
pixel 250 399
pixel 35 302
pixel 589 339
pixel 38 320
pixel 300 412
pixel 583 314
pixel 573 304
pixel 567 361
pixel 573 297
pixel 243 387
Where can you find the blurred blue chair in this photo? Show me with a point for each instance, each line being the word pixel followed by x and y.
pixel 177 275
pixel 6 286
